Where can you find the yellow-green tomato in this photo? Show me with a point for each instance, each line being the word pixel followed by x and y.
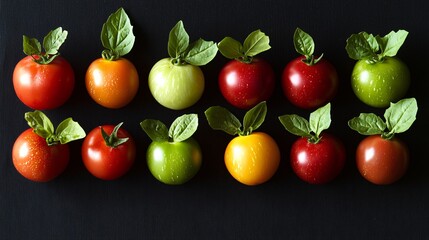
pixel 176 86
pixel 174 163
pixel 378 84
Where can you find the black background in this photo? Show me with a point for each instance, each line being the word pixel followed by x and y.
pixel 212 205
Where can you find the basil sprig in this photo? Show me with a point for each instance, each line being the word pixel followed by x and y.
pixel 180 130
pixel 51 44
pixel 304 45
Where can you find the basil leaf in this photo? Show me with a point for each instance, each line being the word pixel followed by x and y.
pixel 155 129
pixel 220 118
pixel 372 41
pixel 394 41
pixel 358 48
pixel 183 127
pixel 320 119
pixel 69 130
pixel 401 115
pixel 303 43
pixel 117 34
pixel 31 46
pixel 254 118
pixel 296 125
pixel 40 123
pixel 256 43
pixel 200 52
pixel 230 48
pixel 178 40
pixel 53 40
pixel 367 124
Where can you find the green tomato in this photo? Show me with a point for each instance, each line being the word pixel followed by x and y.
pixel 378 84
pixel 174 163
pixel 176 86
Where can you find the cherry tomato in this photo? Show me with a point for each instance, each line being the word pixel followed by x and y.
pixel 318 163
pixel 252 159
pixel 37 161
pixel 108 162
pixel 382 161
pixel 112 84
pixel 246 84
pixel 43 86
pixel 309 86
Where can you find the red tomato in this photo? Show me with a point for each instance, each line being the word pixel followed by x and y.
pixel 103 161
pixel 382 161
pixel 246 84
pixel 37 161
pixel 309 86
pixel 43 86
pixel 318 163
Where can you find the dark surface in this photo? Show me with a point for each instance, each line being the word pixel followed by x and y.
pixel 212 205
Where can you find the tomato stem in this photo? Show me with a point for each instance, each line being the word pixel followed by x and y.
pixel 112 140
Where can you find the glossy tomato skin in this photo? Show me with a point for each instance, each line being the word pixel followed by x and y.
pixel 252 159
pixel 43 86
pixel 112 84
pixel 382 161
pixel 318 163
pixel 35 160
pixel 379 84
pixel 174 163
pixel 176 86
pixel 308 86
pixel 244 85
pixel 105 162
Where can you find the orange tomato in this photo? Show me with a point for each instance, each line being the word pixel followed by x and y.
pixel 252 159
pixel 112 84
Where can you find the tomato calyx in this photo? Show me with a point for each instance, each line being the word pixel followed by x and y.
pixel 319 121
pixel 304 45
pixel 113 140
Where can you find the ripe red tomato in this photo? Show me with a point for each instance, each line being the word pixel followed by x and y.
pixel 382 161
pixel 246 84
pixel 107 162
pixel 37 161
pixel 112 84
pixel 318 163
pixel 43 86
pixel 308 86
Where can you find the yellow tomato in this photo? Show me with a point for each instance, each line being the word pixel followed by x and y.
pixel 252 159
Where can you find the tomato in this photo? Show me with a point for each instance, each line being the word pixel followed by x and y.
pixel 174 163
pixel 244 85
pixel 104 161
pixel 43 86
pixel 320 162
pixel 309 86
pixel 379 84
pixel 112 84
pixel 382 161
pixel 252 159
pixel 176 86
pixel 35 160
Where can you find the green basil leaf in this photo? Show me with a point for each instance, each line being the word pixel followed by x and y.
pixel 367 124
pixel 40 123
pixel 117 34
pixel 69 130
pixel 372 41
pixel 155 129
pixel 296 125
pixel 200 52
pixel 220 118
pixel 178 40
pixel 394 41
pixel 303 43
pixel 256 43
pixel 230 48
pixel 320 119
pixel 53 40
pixel 31 46
pixel 401 115
pixel 183 127
pixel 254 118
pixel 358 48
